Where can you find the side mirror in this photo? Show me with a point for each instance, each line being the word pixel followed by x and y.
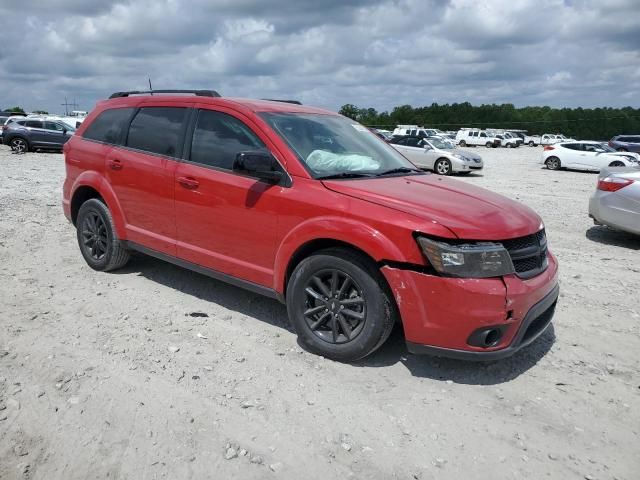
pixel 258 164
pixel 427 147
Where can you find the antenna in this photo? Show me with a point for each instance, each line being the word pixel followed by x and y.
pixel 150 87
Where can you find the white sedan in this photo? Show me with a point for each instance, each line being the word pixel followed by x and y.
pixel 586 155
pixel 437 154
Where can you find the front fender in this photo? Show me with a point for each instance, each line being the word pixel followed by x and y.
pixel 352 232
pixel 93 179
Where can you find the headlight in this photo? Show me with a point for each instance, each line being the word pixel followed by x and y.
pixel 468 260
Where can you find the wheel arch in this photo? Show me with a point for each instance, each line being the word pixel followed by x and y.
pixel 313 236
pixel 89 185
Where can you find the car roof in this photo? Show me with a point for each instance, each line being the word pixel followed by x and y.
pixel 246 104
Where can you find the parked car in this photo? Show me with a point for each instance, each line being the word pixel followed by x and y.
pixel 616 201
pixel 546 139
pixel 382 134
pixel 586 155
pixel 306 206
pixel 6 117
pixel 30 133
pixel 626 143
pixel 437 154
pixel 477 137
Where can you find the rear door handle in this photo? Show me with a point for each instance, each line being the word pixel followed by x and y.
pixel 115 164
pixel 188 182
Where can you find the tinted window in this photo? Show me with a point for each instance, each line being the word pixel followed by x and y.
pixel 572 146
pixel 219 137
pixel 34 123
pixel 108 126
pixel 413 142
pixel 53 126
pixel 157 130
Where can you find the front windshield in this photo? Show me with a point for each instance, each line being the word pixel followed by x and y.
pixel 440 143
pixel 334 146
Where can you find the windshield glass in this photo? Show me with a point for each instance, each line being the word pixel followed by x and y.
pixel 330 145
pixel 440 143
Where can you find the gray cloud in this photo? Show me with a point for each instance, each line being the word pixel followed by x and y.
pixel 372 53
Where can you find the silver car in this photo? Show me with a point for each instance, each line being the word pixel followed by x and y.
pixel 437 154
pixel 616 201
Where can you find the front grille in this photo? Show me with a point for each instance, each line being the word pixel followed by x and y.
pixel 528 254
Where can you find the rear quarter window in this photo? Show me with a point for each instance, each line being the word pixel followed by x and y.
pixel 109 125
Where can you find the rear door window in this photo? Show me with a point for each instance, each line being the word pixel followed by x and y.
pixel 218 138
pixel 33 123
pixel 157 130
pixel 109 126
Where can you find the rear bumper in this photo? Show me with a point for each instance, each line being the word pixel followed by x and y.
pixel 615 211
pixel 441 315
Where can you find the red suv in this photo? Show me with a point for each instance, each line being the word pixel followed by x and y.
pixel 311 208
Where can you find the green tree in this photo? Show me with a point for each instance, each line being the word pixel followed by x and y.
pixel 15 110
pixel 350 111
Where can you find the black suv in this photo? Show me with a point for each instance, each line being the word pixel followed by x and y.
pixel 35 133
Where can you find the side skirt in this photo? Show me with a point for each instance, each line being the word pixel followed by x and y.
pixel 223 277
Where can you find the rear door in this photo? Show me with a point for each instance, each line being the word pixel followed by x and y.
pixel 37 134
pixel 141 174
pixel 226 221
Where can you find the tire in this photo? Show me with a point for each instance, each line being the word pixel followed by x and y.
pixel 617 163
pixel 531 144
pixel 325 329
pixel 622 149
pixel 553 163
pixel 510 145
pixel 488 144
pixel 442 167
pixel 462 143
pixel 19 145
pixel 97 239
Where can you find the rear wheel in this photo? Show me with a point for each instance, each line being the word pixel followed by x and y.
pixel 442 166
pixel 19 145
pixel 531 144
pixel 622 149
pixel 462 143
pixel 617 163
pixel 338 305
pixel 488 144
pixel 553 163
pixel 99 244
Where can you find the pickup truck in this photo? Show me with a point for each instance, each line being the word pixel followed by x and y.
pixel 546 139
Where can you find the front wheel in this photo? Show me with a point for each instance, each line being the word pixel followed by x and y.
pixel 442 167
pixel 488 144
pixel 553 163
pixel 531 144
pixel 99 244
pixel 338 305
pixel 462 143
pixel 19 145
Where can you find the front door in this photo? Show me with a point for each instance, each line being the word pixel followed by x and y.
pixel 225 221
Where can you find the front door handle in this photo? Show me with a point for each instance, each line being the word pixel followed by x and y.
pixel 115 164
pixel 188 182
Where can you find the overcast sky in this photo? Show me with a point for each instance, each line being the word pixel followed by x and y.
pixel 325 52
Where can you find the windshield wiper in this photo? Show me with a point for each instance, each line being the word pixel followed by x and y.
pixel 345 175
pixel 399 170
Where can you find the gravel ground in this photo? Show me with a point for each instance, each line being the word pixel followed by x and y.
pixel 157 372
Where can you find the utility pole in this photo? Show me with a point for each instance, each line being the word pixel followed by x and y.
pixel 66 105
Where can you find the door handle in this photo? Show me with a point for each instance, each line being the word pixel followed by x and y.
pixel 188 182
pixel 115 164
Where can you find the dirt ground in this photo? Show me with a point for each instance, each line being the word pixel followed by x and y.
pixel 157 372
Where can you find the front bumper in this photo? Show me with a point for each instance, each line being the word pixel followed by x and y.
pixel 441 314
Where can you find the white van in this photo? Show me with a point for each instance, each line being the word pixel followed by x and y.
pixel 474 137
pixel 416 131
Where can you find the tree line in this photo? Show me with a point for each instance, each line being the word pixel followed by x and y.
pixel 583 123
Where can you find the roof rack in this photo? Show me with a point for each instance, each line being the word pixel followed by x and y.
pixel 197 93
pixel 295 102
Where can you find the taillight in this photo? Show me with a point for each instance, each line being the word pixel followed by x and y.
pixel 610 143
pixel 549 147
pixel 613 184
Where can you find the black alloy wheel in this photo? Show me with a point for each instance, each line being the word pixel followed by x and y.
pixel 335 308
pixel 95 241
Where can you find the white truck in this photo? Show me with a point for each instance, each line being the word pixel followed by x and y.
pixel 416 131
pixel 546 139
pixel 508 140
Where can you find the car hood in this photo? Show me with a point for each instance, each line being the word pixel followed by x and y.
pixel 466 153
pixel 470 212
